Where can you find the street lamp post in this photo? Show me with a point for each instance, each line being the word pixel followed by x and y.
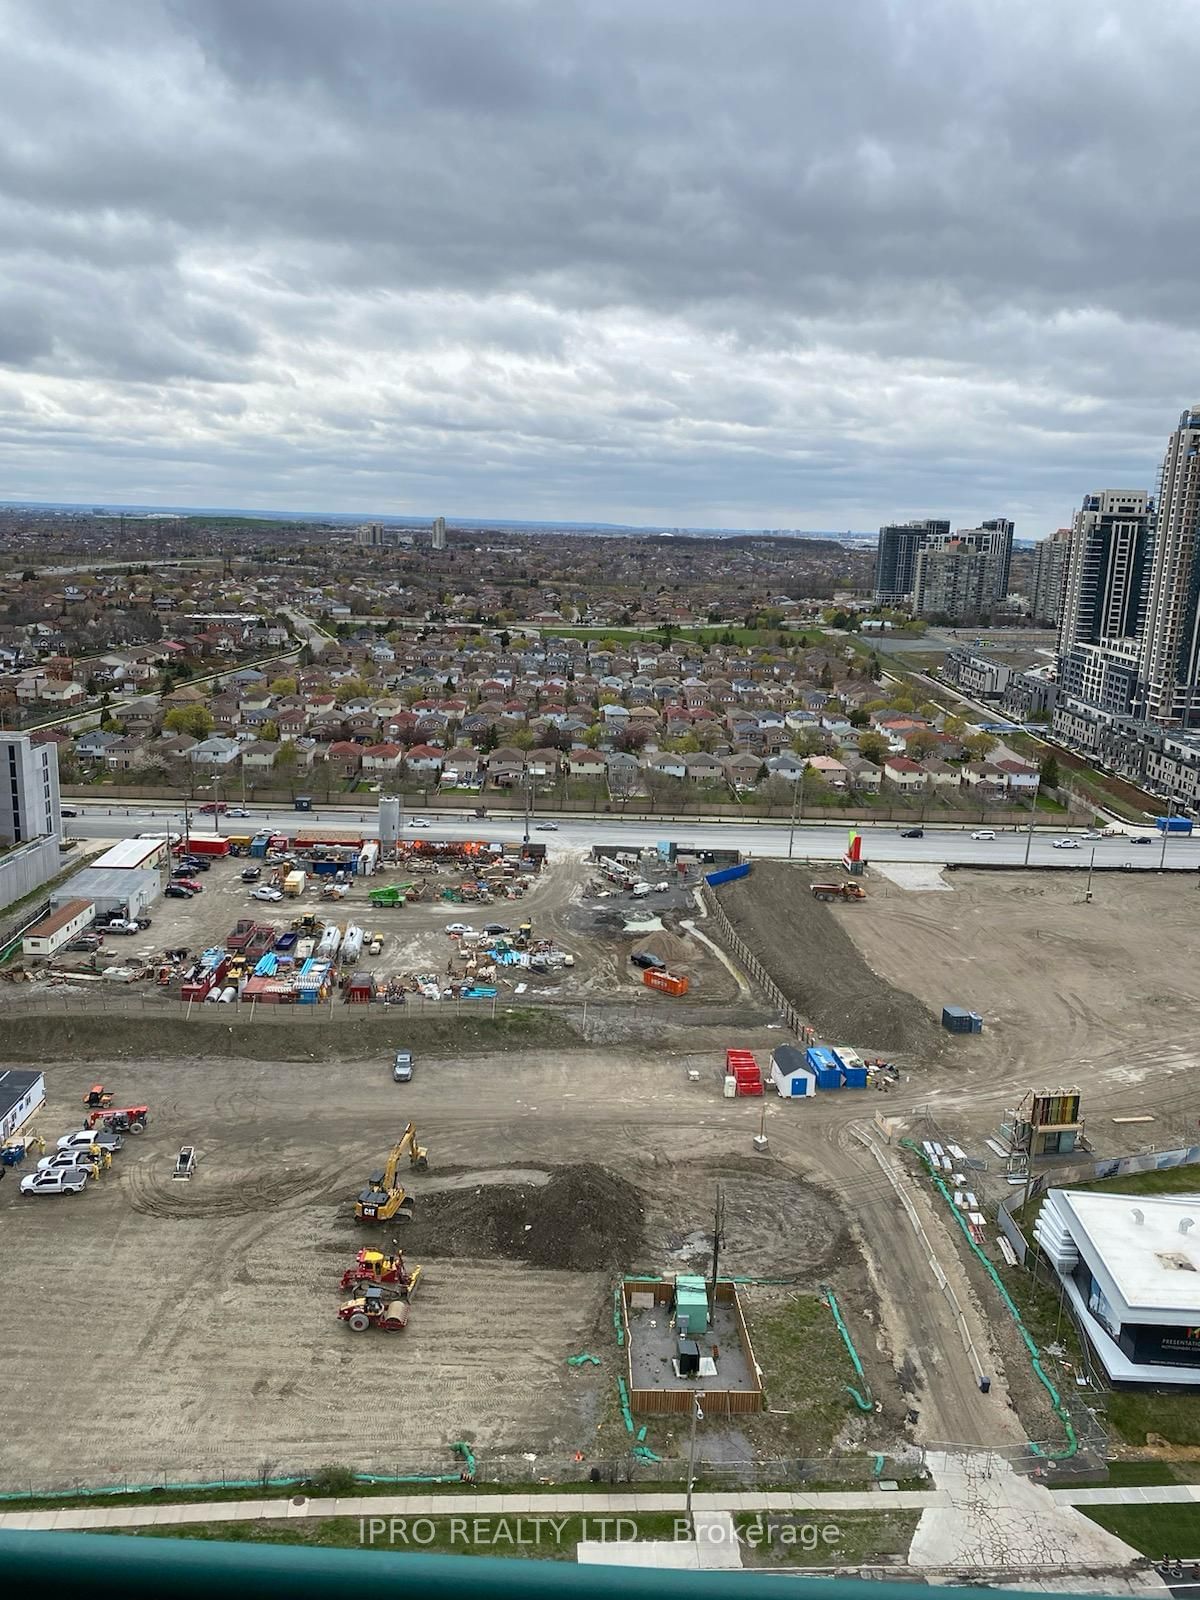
pixel 796 787
pixel 1162 855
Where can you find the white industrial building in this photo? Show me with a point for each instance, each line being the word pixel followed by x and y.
pixel 1130 1265
pixel 130 891
pixel 47 937
pixel 133 854
pixel 21 1093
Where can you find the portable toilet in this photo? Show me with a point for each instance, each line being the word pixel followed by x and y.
pixel 691 1301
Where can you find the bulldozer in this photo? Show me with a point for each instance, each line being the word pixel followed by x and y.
pixel 371 1310
pixel 384 1197
pixel 373 1267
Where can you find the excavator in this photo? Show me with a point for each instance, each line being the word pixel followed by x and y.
pixel 373 1267
pixel 384 1197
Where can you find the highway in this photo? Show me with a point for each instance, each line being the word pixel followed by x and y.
pixel 811 841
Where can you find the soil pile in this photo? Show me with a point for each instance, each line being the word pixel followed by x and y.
pixel 585 1219
pixel 668 947
pixel 804 946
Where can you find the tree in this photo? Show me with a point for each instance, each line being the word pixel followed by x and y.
pixel 195 720
pixel 633 738
pixel 826 678
pixel 920 744
pixel 979 745
pixel 285 758
pixel 873 747
pixel 1048 772
pixel 270 732
pixel 808 742
pixel 283 686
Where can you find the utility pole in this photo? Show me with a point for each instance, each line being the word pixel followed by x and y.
pixel 697 1416
pixel 1162 855
pixel 1029 839
pixel 1087 899
pixel 796 787
pixel 718 1240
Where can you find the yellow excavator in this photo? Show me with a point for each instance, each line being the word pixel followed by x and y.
pixel 384 1197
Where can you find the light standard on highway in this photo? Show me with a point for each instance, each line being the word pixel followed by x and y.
pixel 1162 855
pixel 697 1416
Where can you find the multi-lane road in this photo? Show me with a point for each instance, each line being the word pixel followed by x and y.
pixel 811 841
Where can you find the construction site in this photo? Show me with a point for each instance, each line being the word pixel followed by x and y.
pixel 476 1247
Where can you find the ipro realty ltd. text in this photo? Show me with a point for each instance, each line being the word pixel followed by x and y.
pixel 485 1533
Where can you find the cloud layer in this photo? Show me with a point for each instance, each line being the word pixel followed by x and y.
pixel 769 264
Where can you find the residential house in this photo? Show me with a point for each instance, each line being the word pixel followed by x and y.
pixel 985 781
pixel 425 759
pixel 215 751
pixel 1022 780
pixel 543 763
pixel 382 758
pixel 940 774
pixel 831 770
pixel 863 776
pixel 791 768
pixel 505 767
pixel 742 769
pixel 344 757
pixel 259 755
pixel 903 773
pixel 124 755
pixel 664 765
pixel 586 764
pixel 94 746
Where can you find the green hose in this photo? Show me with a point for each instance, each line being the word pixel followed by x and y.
pixel 863 1405
pixel 618 1324
pixel 1034 1353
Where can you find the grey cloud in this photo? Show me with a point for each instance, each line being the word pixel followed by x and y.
pixel 808 264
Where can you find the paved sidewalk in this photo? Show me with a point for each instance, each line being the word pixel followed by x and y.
pixel 1161 1494
pixel 468 1505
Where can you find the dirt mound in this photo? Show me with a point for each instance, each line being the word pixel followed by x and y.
pixel 669 947
pixel 585 1219
pixel 805 948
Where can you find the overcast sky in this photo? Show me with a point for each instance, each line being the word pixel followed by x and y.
pixel 786 263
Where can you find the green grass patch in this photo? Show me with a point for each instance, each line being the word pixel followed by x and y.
pixel 1135 1415
pixel 1154 1530
pixel 807 1371
pixel 527 1535
pixel 816 1539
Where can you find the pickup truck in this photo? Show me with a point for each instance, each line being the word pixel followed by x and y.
pixel 123 925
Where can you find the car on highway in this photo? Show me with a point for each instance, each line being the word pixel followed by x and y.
pixel 545 827
pixel 86 1137
pixel 265 892
pixel 214 808
pixel 912 833
pixel 63 1180
pixel 402 1068
pixel 984 833
pixel 1093 833
pixel 67 811
pixel 1141 838
pixel 1065 844
pixel 251 874
pixel 237 811
pixel 177 891
pixel 417 822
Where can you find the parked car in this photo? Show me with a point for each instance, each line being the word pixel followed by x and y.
pixel 1066 844
pixel 402 1068
pixel 86 943
pixel 545 827
pixel 190 883
pixel 984 833
pixel 90 1136
pixel 265 892
pixel 459 927
pixel 196 863
pixel 176 891
pixel 495 927
pixel 79 1156
pixel 63 1180
pixel 646 961
pixel 251 874
pixel 912 833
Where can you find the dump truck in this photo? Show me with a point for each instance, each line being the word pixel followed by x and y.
pixel 839 891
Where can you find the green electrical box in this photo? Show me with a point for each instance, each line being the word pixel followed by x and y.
pixel 691 1301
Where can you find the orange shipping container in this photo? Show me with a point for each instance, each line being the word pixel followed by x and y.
pixel 666 982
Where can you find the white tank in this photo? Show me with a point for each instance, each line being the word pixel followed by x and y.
pixel 389 821
pixel 352 944
pixel 330 939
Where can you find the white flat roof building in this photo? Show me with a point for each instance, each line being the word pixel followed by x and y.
pixel 1130 1265
pixel 130 853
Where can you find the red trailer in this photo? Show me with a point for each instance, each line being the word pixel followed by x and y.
pixel 204 844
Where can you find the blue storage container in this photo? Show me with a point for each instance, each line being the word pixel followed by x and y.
pixel 855 1077
pixel 258 845
pixel 829 1078
pixel 727 874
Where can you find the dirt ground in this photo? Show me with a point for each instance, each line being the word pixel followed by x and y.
pixel 213 1302
pixel 808 946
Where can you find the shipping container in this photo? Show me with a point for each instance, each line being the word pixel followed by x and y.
pixel 727 874
pixel 294 884
pixel 204 844
pixel 957 1019
pixel 665 982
